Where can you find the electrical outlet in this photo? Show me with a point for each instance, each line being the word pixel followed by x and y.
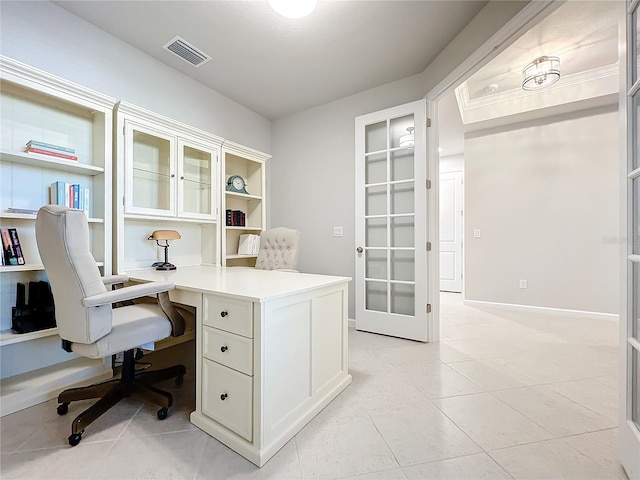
pixel 337 231
pixel 523 284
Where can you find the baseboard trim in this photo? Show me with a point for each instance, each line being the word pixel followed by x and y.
pixel 529 308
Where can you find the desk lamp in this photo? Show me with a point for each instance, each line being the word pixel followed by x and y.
pixel 165 235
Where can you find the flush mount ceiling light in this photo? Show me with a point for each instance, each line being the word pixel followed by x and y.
pixel 540 73
pixel 407 140
pixel 293 8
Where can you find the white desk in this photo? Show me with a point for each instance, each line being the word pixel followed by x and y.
pixel 271 351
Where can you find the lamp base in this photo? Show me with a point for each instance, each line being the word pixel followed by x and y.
pixel 164 266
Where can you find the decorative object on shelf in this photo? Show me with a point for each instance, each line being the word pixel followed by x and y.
pixel 540 73
pixel 34 146
pixel 38 313
pixel 236 184
pixel 408 139
pixel 293 8
pixel 165 235
pixel 22 211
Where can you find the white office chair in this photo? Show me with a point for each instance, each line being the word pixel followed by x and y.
pixel 91 326
pixel 278 249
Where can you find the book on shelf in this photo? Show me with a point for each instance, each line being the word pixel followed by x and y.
pixel 50 147
pixel 70 195
pixel 22 211
pixel 8 251
pixel 249 244
pixel 235 218
pixel 52 153
pixel 17 248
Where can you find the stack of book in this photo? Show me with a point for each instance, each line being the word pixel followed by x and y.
pixel 35 146
pixel 70 195
pixel 11 249
pixel 235 218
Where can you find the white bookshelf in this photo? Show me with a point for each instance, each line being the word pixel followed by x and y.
pixel 35 105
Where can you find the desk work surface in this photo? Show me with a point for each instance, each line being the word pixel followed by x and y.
pixel 245 283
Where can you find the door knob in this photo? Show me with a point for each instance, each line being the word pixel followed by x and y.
pixel 223 397
pixel 359 249
pixel 223 348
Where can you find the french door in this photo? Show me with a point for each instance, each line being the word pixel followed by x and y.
pixel 391 222
pixel 629 432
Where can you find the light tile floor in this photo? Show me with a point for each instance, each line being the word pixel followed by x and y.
pixel 504 395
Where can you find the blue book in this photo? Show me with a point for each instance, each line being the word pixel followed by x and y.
pixel 76 196
pixel 50 146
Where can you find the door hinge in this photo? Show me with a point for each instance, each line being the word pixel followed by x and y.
pixel 428 122
pixel 428 308
pixel 428 246
pixel 428 184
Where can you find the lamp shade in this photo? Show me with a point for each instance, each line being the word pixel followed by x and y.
pixel 540 73
pixel 164 235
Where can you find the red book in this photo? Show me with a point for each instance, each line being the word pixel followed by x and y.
pixel 53 154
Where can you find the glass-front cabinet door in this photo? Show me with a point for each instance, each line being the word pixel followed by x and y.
pixel 196 180
pixel 150 187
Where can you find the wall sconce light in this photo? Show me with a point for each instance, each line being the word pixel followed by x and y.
pixel 540 73
pixel 407 140
pixel 165 235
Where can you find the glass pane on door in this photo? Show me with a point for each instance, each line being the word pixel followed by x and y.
pixel 402 231
pixel 375 168
pixel 197 168
pixel 151 171
pixel 376 264
pixel 376 200
pixel 635 387
pixel 402 265
pixel 401 164
pixel 403 299
pixel 376 296
pixel 376 232
pixel 375 137
pixel 635 308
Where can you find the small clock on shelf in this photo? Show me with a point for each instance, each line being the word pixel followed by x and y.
pixel 236 184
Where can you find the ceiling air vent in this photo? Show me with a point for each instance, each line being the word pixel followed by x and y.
pixel 187 52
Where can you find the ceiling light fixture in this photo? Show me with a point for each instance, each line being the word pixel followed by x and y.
pixel 540 73
pixel 293 8
pixel 407 140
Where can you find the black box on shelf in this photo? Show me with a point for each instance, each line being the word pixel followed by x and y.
pixel 36 314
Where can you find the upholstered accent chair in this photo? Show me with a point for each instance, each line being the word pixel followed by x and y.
pixel 89 323
pixel 278 249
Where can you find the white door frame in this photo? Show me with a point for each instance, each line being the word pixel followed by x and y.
pixel 531 14
pixel 628 432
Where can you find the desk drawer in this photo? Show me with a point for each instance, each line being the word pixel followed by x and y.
pixel 235 316
pixel 227 397
pixel 228 349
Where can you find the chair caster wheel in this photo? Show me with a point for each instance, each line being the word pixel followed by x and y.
pixel 179 380
pixel 63 408
pixel 74 439
pixel 139 354
pixel 162 413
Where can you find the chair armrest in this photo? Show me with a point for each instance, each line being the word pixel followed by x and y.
pixel 127 293
pixel 111 279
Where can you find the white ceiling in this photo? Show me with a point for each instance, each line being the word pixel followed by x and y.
pixel 277 66
pixel 584 34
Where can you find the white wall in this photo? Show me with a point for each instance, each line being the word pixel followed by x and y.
pixel 545 196
pixel 48 37
pixel 313 176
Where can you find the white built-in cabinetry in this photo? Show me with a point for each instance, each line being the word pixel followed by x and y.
pixel 250 165
pixel 166 179
pixel 38 106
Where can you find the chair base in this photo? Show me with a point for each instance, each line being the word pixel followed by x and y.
pixel 112 391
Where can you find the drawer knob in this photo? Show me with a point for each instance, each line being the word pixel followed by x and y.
pixel 224 348
pixel 224 313
pixel 223 397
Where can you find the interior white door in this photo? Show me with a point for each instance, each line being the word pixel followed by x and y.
pixel 391 222
pixel 629 431
pixel 451 232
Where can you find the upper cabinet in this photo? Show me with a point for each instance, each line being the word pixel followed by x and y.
pixel 166 178
pixel 169 167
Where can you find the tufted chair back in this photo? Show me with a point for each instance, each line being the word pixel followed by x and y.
pixel 278 249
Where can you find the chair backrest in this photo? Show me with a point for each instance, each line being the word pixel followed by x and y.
pixel 62 235
pixel 278 249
